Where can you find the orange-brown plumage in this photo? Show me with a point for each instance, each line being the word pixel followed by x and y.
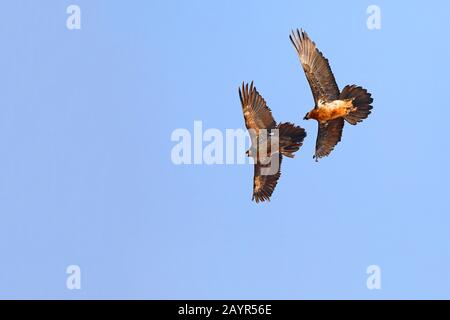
pixel 331 111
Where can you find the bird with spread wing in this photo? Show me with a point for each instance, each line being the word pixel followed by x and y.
pixel 332 107
pixel 269 141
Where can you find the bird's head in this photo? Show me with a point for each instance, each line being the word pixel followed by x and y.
pixel 250 152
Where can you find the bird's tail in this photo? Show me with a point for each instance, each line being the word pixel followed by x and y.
pixel 291 138
pixel 361 103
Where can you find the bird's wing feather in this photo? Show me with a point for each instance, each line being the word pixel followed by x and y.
pixel 317 69
pixel 328 137
pixel 266 178
pixel 257 114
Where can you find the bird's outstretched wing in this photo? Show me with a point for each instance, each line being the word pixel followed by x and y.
pixel 328 137
pixel 316 67
pixel 257 114
pixel 266 178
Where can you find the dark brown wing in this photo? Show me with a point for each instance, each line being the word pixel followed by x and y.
pixel 329 135
pixel 266 177
pixel 316 67
pixel 257 114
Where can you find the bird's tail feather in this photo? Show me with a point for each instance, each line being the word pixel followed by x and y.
pixel 291 138
pixel 361 101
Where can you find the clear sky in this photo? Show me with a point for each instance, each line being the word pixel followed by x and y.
pixel 86 176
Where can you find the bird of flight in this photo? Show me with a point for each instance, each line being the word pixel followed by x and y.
pixel 332 107
pixel 269 141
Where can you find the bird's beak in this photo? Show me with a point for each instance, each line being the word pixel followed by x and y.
pixel 305 117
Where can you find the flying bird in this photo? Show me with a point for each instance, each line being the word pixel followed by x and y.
pixel 332 107
pixel 269 141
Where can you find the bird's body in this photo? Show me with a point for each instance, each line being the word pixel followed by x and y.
pixel 326 111
pixel 270 141
pixel 332 106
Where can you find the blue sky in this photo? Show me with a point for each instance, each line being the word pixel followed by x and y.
pixel 86 176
